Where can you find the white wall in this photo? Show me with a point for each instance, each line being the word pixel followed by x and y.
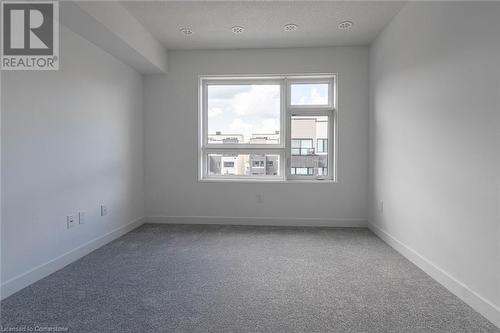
pixel 171 147
pixel 71 140
pixel 435 138
pixel 110 26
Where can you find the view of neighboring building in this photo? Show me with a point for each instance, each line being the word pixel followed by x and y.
pixel 309 146
pixel 243 164
pixel 309 151
pixel 219 138
pixel 273 138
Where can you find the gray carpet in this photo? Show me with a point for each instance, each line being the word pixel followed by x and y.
pixel 164 278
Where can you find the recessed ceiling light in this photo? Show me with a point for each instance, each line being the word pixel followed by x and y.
pixel 290 27
pixel 345 25
pixel 186 31
pixel 237 29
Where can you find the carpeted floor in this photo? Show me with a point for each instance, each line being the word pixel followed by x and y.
pixel 163 278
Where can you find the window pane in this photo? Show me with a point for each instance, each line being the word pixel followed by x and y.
pixel 302 147
pixel 323 171
pixel 246 114
pixel 235 164
pixel 307 143
pixel 307 161
pixel 301 171
pixel 309 93
pixel 322 146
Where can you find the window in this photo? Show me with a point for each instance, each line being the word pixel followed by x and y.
pixel 323 171
pixel 267 128
pixel 303 155
pixel 302 171
pixel 258 164
pixel 235 164
pixel 244 113
pixel 302 146
pixel 322 146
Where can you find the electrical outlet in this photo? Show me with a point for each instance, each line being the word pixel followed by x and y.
pixel 104 210
pixel 70 221
pixel 81 217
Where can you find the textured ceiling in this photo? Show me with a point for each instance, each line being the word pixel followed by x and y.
pixel 263 21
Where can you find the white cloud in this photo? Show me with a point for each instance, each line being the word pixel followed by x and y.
pixel 226 91
pixel 251 111
pixel 214 112
pixel 263 126
pixel 260 100
pixel 314 98
pixel 317 99
pixel 241 127
pixel 269 125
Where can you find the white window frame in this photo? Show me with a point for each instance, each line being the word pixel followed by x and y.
pixel 283 149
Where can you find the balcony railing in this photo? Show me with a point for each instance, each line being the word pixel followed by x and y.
pixel 303 151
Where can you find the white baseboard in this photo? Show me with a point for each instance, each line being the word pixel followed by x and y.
pixel 473 299
pixel 23 280
pixel 268 221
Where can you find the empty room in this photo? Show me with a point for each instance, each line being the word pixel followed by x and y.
pixel 250 166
